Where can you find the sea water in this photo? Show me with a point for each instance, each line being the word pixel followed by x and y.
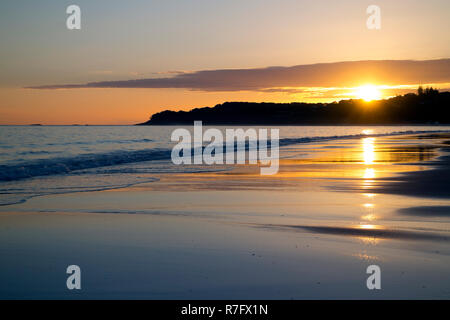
pixel 42 160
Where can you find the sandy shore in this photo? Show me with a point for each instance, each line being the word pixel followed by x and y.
pixel 307 233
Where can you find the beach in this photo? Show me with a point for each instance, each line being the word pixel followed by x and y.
pixel 225 158
pixel 335 207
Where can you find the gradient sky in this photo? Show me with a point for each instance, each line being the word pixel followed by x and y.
pixel 125 40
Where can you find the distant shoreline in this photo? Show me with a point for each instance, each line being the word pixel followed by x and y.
pixel 428 107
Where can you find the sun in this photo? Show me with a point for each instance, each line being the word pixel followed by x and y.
pixel 368 93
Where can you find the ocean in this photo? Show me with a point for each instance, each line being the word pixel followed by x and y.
pixel 43 160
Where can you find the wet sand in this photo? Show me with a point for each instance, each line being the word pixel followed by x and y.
pixel 308 232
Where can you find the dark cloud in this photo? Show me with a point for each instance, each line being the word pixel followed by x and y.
pixel 339 74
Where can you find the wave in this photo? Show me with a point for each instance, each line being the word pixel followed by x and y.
pixel 97 142
pixel 48 186
pixel 60 165
pixel 64 165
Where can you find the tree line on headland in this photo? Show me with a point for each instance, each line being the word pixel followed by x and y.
pixel 427 106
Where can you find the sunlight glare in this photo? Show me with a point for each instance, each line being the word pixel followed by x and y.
pixel 368 93
pixel 369 174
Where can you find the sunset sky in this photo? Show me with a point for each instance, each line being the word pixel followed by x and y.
pixel 184 54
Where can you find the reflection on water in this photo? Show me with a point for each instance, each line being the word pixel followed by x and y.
pixel 369 227
pixel 369 156
pixel 366 257
pixel 369 240
pixel 368 150
pixel 359 166
pixel 369 217
pixel 369 195
pixel 369 173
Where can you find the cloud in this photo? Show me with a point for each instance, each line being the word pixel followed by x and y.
pixel 174 72
pixel 338 74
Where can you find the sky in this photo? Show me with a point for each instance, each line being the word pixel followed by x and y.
pixel 148 56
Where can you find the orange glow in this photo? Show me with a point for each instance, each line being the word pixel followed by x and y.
pixel 109 106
